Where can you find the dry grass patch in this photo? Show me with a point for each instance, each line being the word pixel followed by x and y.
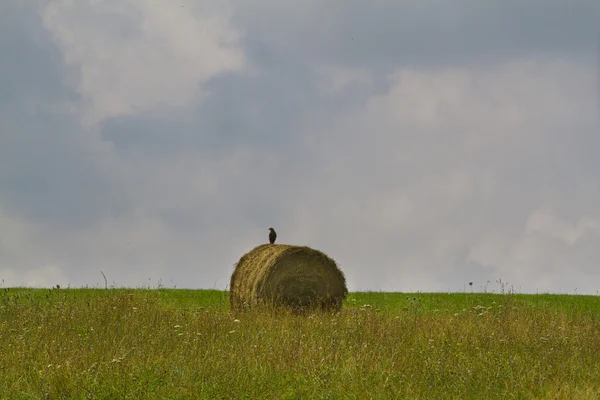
pixel 134 345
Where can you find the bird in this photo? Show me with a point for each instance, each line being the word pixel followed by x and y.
pixel 272 235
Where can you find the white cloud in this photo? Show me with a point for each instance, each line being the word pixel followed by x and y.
pixel 545 222
pixel 137 54
pixel 40 277
pixel 22 261
pixel 550 253
pixel 15 236
pixel 451 166
pixel 335 78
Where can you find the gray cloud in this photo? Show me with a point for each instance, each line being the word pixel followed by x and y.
pixel 421 146
pixel 386 35
pixel 49 169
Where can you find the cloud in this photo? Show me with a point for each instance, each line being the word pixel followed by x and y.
pixel 449 162
pixel 389 34
pixel 422 146
pixel 49 170
pixel 134 55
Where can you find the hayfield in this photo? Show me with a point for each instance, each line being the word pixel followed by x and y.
pixel 180 344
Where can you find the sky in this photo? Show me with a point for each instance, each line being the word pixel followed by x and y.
pixel 421 144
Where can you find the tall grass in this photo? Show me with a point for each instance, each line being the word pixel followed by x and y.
pixel 180 344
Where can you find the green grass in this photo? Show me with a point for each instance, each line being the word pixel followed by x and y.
pixel 180 344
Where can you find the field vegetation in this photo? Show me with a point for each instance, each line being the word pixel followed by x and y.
pixel 183 344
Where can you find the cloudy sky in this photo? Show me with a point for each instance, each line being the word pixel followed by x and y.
pixel 421 144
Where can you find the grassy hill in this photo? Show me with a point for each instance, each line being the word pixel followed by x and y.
pixel 179 344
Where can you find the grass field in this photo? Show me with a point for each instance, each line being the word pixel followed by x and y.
pixel 183 344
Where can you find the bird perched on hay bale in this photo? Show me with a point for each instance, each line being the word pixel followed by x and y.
pixel 293 276
pixel 272 235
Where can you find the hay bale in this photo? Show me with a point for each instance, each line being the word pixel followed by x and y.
pixel 295 276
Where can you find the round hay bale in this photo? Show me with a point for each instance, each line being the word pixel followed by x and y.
pixel 295 276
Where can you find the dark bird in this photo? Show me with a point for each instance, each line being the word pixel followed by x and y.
pixel 272 235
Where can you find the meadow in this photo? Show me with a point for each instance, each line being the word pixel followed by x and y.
pixel 184 344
